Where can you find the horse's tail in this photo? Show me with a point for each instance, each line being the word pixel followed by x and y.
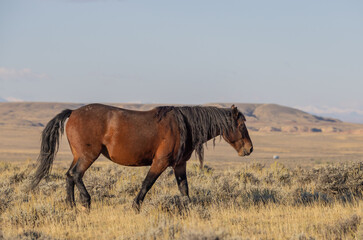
pixel 49 146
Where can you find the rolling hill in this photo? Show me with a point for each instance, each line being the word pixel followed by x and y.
pixel 260 117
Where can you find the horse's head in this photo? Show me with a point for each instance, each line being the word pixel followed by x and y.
pixel 238 137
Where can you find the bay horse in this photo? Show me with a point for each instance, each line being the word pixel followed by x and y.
pixel 161 137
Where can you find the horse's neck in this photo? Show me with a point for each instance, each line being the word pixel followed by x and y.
pixel 211 135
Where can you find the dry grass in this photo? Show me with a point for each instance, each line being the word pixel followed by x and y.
pixel 254 202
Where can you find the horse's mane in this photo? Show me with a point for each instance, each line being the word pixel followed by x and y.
pixel 199 124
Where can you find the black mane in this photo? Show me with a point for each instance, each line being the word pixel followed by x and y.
pixel 199 124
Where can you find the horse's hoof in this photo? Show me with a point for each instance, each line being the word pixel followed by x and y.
pixel 136 206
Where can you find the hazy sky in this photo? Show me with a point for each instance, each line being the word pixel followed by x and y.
pixel 295 53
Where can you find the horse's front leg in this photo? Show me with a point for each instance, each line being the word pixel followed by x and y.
pixel 181 178
pixel 157 167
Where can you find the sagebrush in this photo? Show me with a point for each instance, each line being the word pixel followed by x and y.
pixel 253 202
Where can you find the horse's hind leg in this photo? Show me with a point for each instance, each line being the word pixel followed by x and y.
pixel 70 188
pixel 75 178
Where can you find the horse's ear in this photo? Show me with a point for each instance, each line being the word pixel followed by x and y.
pixel 234 112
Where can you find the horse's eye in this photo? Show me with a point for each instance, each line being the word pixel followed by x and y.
pixel 242 127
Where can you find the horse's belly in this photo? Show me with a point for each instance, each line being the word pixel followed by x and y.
pixel 127 158
pixel 132 162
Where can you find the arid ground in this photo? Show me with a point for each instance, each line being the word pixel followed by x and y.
pixel 313 191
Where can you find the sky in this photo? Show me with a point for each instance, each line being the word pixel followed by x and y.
pixel 304 54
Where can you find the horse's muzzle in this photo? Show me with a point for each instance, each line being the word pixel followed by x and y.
pixel 245 152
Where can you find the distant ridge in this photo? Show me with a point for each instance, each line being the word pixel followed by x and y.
pixel 260 117
pixel 275 112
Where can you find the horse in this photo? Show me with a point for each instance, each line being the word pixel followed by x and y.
pixel 162 137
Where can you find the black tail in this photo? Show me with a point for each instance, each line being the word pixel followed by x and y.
pixel 49 146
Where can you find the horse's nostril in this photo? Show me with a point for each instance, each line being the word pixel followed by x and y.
pixel 251 150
